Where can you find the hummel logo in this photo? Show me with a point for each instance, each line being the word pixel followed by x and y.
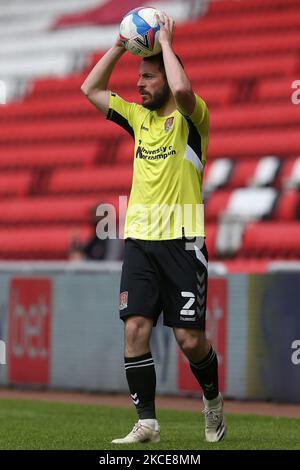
pixel 200 278
pixel 201 289
pixel 209 386
pixel 135 399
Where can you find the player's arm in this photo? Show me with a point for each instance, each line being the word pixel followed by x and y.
pixel 178 81
pixel 95 86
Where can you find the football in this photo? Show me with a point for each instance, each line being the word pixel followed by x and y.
pixel 139 31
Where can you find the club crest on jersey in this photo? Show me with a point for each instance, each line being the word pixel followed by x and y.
pixel 169 124
pixel 123 300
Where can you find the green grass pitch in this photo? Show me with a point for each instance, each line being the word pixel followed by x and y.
pixel 43 425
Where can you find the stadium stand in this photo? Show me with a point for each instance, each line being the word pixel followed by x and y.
pixel 89 180
pixel 59 158
pixel 44 210
pixel 254 173
pixel 40 156
pixel 39 243
pixel 15 184
pixel 288 207
pixel 217 173
pixel 275 239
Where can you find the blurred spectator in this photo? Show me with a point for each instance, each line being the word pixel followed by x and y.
pixel 93 249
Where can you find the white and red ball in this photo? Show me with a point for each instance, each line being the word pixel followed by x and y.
pixel 139 31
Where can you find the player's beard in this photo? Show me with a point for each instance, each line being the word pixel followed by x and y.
pixel 159 98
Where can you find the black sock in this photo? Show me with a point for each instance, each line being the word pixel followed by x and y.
pixel 141 378
pixel 206 372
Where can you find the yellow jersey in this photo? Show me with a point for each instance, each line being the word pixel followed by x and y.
pixel 169 157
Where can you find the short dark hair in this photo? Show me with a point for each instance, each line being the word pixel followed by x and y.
pixel 159 60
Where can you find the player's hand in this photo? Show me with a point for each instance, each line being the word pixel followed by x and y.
pixel 167 26
pixel 119 43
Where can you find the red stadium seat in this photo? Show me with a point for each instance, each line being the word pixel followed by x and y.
pixel 68 105
pixel 255 143
pixel 71 85
pixel 47 86
pixel 259 116
pixel 210 240
pixel 215 96
pixel 91 129
pixel 247 265
pixel 104 179
pixel 244 68
pixel 39 243
pixel 15 184
pixel 287 171
pixel 54 210
pixel 125 152
pixel 206 172
pixel 262 172
pixel 226 25
pixel 242 173
pixel 278 89
pixel 51 155
pixel 252 44
pixel 288 205
pixel 247 6
pixel 273 239
pixel 47 210
pixel 216 205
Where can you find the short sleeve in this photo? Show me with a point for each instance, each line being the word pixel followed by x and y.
pixel 122 113
pixel 198 123
pixel 200 116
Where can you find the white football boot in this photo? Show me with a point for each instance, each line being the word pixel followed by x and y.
pixel 145 430
pixel 215 427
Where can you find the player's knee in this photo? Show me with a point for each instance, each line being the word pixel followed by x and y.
pixel 137 332
pixel 191 342
pixel 189 345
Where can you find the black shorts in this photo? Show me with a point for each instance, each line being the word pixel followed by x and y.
pixel 164 276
